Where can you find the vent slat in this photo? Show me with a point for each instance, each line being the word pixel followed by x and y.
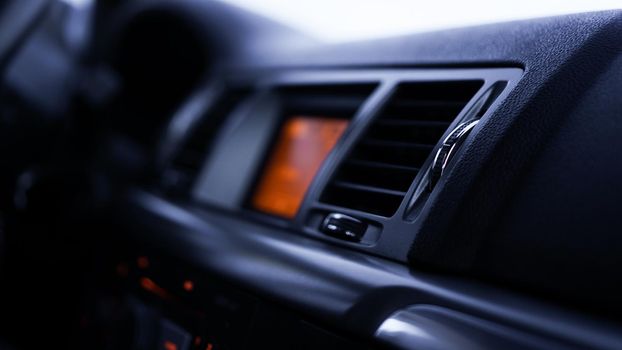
pixel 384 163
pixel 392 177
pixel 397 144
pixel 422 135
pixel 400 156
pixel 372 202
pixel 359 187
pixel 408 102
pixel 370 164
pixel 412 123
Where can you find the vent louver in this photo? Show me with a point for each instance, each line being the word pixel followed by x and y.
pixel 376 175
pixel 187 162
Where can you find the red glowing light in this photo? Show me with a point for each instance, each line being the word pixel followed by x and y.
pixel 169 345
pixel 188 285
pixel 142 262
pixel 149 285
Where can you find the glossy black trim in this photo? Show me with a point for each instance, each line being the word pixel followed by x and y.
pixel 352 291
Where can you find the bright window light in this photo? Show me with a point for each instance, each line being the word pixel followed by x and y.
pixel 346 20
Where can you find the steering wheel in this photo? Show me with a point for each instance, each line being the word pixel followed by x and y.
pixel 17 19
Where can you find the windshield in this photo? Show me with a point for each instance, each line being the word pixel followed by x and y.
pixel 346 20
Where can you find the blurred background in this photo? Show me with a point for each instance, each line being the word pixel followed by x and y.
pixel 335 21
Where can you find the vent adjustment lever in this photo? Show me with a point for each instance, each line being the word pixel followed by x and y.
pixel 448 150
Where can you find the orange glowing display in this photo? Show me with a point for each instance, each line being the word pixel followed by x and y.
pixel 169 345
pixel 302 146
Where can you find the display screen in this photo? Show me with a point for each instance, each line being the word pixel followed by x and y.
pixel 302 145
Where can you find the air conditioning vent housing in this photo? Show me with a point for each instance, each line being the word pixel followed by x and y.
pixel 378 172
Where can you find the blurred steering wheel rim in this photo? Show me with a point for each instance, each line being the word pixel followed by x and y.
pixel 17 20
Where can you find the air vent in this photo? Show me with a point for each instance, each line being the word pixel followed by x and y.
pixel 187 162
pixel 375 177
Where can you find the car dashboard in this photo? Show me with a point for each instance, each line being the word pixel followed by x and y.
pixel 205 178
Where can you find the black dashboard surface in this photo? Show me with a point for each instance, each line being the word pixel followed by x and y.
pixel 517 244
pixel 491 219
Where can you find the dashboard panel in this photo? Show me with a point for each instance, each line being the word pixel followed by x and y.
pixel 244 185
pixel 372 101
pixel 433 131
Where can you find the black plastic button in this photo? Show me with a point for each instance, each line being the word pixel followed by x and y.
pixel 344 227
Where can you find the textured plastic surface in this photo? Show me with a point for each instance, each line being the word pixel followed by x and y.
pixel 533 200
pixel 348 290
pixel 560 232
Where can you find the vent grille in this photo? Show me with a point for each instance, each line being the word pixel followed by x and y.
pixel 188 161
pixel 375 177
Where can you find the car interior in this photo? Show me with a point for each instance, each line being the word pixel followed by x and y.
pixel 195 175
